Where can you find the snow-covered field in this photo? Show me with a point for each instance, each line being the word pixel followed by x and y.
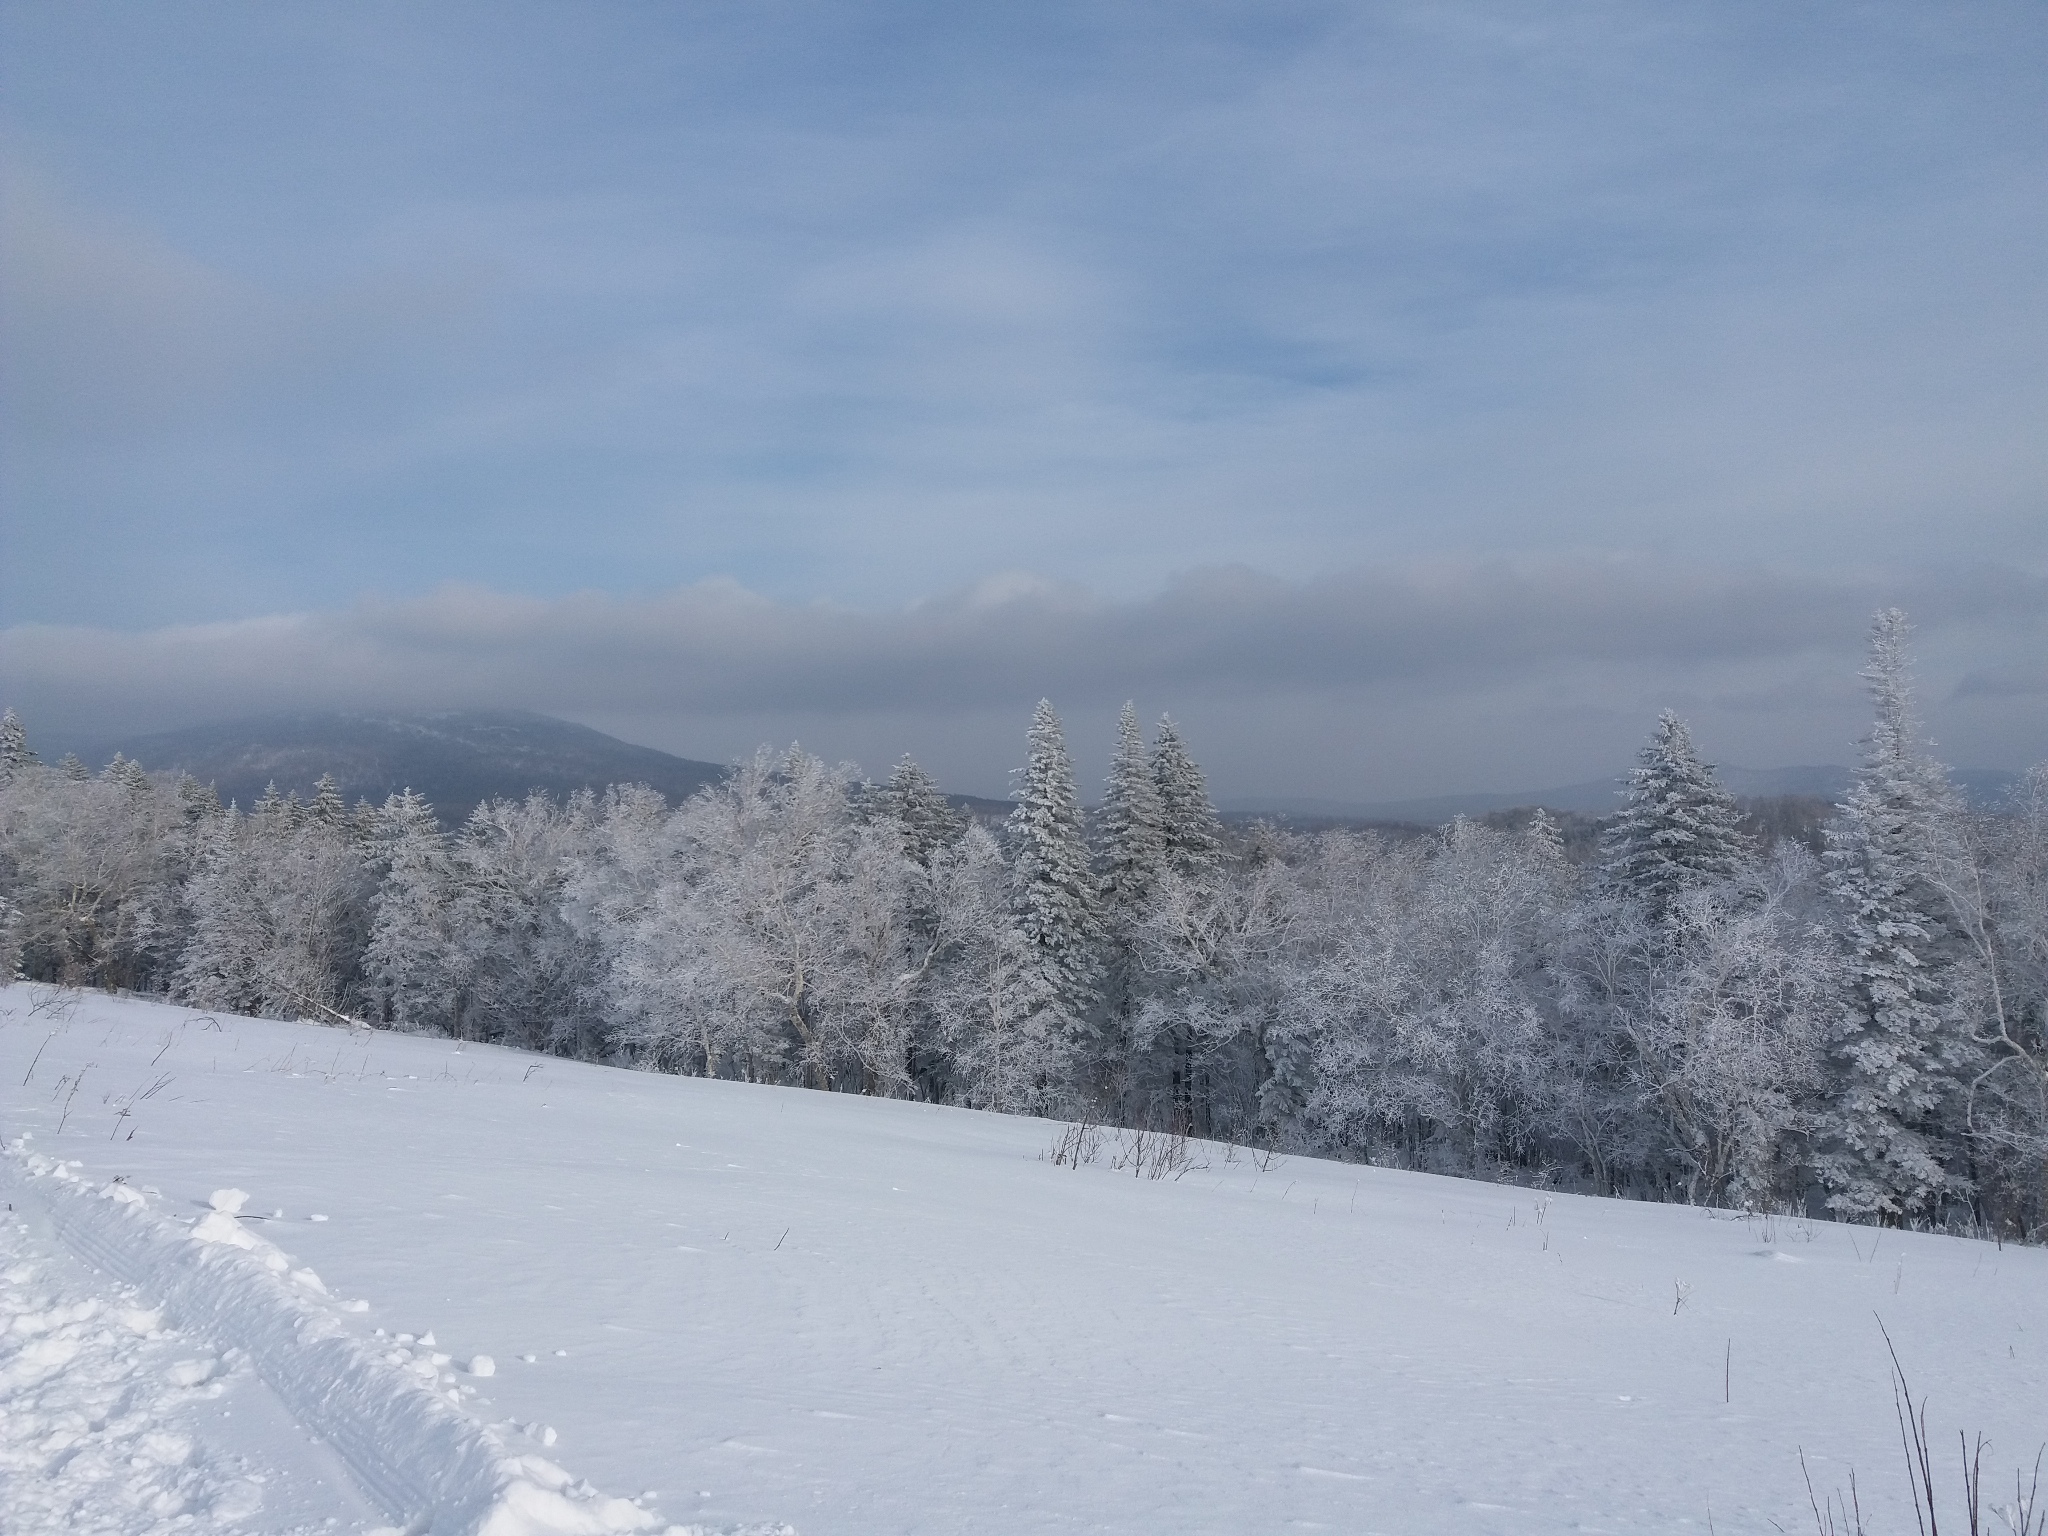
pixel 725 1306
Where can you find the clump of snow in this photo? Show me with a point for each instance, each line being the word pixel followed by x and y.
pixel 230 1201
pixel 482 1365
pixel 218 1226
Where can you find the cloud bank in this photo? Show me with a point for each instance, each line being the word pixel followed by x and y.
pixel 1371 683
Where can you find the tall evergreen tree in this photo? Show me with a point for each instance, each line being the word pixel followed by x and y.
pixel 129 774
pixel 929 822
pixel 275 809
pixel 1193 832
pixel 1053 888
pixel 1131 838
pixel 327 805
pixel 199 802
pixel 1678 829
pixel 14 749
pixel 1889 1150
pixel 1132 823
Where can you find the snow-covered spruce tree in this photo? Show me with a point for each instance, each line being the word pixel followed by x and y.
pixel 14 749
pixel 130 775
pixel 1054 890
pixel 1889 1144
pixel 927 830
pixel 929 823
pixel 1194 835
pixel 1189 857
pixel 1130 837
pixel 1678 829
pixel 1131 826
pixel 327 805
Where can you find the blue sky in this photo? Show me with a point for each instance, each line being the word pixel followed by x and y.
pixel 612 322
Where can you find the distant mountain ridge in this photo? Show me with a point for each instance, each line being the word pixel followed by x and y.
pixel 1599 797
pixel 459 758
pixel 456 758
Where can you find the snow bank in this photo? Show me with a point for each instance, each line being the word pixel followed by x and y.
pixel 390 1410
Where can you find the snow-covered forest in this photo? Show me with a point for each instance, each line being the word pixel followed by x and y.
pixel 1698 1012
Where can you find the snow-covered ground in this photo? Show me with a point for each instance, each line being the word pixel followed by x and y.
pixel 725 1306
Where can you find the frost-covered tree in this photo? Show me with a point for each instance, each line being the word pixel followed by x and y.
pixel 1889 1148
pixel 1193 833
pixel 997 1021
pixel 91 869
pixel 1053 887
pixel 130 775
pixel 888 930
pixel 1678 829
pixel 1416 1026
pixel 1714 1012
pixel 1211 951
pixel 14 749
pixel 1130 837
pixel 721 972
pixel 1131 826
pixel 281 915
pixel 327 804
pixel 528 975
pixel 197 801
pixel 1999 895
pixel 928 822
pixel 415 975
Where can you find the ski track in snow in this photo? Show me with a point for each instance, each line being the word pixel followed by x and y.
pixel 93 1393
pixel 890 1319
pixel 89 1386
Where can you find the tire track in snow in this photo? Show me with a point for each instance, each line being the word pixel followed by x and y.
pixel 391 1413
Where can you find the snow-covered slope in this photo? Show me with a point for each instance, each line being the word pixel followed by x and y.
pixel 721 1305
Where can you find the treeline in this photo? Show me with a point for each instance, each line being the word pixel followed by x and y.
pixel 1698 1013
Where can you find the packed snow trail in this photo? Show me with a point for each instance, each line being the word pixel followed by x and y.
pixel 872 1318
pixel 392 1410
pixel 113 1423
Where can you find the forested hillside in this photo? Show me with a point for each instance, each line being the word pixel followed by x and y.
pixel 456 759
pixel 1700 1011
